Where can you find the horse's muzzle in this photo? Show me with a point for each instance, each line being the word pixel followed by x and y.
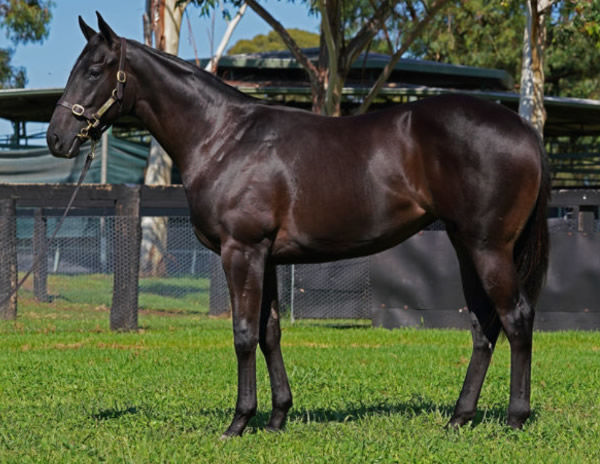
pixel 62 148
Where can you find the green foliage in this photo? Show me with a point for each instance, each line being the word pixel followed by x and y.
pixel 573 49
pixel 490 34
pixel 476 33
pixel 72 391
pixel 272 42
pixel 23 21
pixel 10 76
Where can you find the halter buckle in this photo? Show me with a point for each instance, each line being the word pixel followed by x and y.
pixel 121 77
pixel 77 109
pixel 84 132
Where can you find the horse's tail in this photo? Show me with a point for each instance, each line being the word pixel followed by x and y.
pixel 532 247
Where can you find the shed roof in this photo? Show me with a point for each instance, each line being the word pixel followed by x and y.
pixel 277 77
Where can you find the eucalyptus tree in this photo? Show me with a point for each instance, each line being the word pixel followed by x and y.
pixel 23 21
pixel 349 28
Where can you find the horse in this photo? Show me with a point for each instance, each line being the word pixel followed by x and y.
pixel 269 185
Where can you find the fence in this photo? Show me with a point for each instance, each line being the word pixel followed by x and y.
pixel 95 260
pixel 95 257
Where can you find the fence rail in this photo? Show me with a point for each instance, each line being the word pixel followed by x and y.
pixel 102 238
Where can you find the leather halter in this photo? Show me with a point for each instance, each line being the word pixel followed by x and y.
pixel 93 119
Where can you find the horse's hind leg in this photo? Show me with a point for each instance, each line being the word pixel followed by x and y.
pixel 485 328
pixel 269 338
pixel 497 272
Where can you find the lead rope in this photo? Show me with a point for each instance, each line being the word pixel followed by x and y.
pixel 88 161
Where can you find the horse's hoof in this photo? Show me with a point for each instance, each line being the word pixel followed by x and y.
pixel 231 432
pixel 517 417
pixel 457 422
pixel 271 429
pixel 515 423
pixel 228 435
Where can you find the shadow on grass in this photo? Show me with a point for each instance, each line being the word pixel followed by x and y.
pixel 358 412
pixel 108 414
pixel 162 289
pixel 409 409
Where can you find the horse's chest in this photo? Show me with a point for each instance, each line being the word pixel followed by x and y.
pixel 207 238
pixel 203 224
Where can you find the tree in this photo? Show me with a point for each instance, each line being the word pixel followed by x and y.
pixel 490 34
pixel 479 33
pixel 214 60
pixel 347 30
pixel 573 49
pixel 273 42
pixel 23 21
pixel 162 26
pixel 162 23
pixel 531 101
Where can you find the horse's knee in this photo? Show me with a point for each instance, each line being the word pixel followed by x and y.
pixel 244 339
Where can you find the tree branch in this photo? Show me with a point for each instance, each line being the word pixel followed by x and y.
pixel 301 58
pixel 367 32
pixel 543 5
pixel 231 25
pixel 387 70
pixel 332 54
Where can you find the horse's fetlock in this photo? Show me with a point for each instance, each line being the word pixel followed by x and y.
pixel 283 401
pixel 518 413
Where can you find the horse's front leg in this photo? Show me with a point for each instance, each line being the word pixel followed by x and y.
pixel 244 267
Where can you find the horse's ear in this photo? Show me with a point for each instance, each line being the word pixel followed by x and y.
pixel 106 31
pixel 88 32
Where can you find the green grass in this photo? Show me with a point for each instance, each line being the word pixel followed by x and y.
pixel 175 294
pixel 72 391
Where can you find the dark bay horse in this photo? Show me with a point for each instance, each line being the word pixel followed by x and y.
pixel 269 185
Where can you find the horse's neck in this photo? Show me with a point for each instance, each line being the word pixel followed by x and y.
pixel 179 104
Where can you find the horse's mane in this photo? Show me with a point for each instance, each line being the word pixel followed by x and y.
pixel 184 68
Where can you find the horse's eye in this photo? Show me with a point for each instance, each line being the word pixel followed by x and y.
pixel 95 72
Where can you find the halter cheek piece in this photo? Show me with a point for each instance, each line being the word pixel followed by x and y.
pixel 93 119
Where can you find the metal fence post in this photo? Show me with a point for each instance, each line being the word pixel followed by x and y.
pixel 128 236
pixel 40 257
pixel 292 284
pixel 8 258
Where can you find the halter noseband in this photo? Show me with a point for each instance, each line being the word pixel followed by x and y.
pixel 93 119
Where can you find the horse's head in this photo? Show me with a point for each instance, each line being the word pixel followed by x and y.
pixel 93 97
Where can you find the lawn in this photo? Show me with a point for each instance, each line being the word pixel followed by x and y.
pixel 176 294
pixel 72 391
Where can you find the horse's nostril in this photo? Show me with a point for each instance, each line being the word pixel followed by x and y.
pixel 52 139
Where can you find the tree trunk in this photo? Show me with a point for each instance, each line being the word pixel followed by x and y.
pixel 213 63
pixel 163 21
pixel 333 82
pixel 531 102
pixel 327 78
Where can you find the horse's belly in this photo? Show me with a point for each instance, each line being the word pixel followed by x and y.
pixel 353 240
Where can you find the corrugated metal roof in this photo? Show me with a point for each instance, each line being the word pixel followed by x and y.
pixel 573 116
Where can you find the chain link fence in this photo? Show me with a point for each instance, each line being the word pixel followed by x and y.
pixel 78 266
